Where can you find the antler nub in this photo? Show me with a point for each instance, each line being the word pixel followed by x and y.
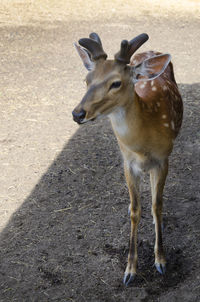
pixel 128 48
pixel 94 46
pixel 95 37
pixel 121 55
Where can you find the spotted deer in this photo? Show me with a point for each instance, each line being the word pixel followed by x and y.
pixel 141 98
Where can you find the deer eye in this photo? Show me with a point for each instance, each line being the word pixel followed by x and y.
pixel 116 84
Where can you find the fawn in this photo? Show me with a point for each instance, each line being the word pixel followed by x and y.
pixel 141 98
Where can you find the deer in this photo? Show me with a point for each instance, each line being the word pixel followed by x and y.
pixel 140 96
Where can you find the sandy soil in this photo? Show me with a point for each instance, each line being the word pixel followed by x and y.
pixel 63 199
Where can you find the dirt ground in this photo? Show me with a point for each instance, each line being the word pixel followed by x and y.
pixel 63 198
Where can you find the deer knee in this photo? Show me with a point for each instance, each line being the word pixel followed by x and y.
pixel 135 215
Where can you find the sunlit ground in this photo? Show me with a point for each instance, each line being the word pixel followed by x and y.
pixel 24 11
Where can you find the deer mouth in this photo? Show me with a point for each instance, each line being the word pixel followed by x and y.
pixel 80 118
pixel 87 120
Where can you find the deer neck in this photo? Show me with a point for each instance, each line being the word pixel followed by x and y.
pixel 125 119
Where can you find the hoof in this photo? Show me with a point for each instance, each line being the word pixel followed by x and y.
pixel 128 278
pixel 161 268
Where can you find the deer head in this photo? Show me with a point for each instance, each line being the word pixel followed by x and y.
pixel 111 83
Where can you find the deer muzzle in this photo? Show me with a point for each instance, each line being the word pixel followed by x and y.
pixel 79 116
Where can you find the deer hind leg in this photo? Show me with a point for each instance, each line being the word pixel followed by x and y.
pixel 157 177
pixel 135 213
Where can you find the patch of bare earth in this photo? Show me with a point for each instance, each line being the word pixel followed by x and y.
pixel 63 198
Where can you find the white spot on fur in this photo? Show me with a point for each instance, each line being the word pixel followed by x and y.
pixel 142 86
pixel 164 116
pixel 118 120
pixel 152 83
pixel 154 88
pixel 164 87
pixel 166 125
pixel 172 124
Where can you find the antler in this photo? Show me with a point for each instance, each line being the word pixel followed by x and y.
pixel 94 46
pixel 128 48
pixel 95 36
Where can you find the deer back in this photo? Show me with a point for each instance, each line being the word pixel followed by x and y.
pixel 160 95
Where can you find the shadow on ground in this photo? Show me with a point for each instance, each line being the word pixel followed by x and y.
pixel 69 240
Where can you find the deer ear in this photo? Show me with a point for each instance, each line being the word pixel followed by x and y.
pixel 151 68
pixel 85 57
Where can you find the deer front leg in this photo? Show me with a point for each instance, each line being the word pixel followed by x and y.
pixel 135 213
pixel 157 177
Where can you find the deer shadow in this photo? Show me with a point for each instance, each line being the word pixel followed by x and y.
pixel 69 239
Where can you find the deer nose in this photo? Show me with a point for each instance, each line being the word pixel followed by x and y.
pixel 79 116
